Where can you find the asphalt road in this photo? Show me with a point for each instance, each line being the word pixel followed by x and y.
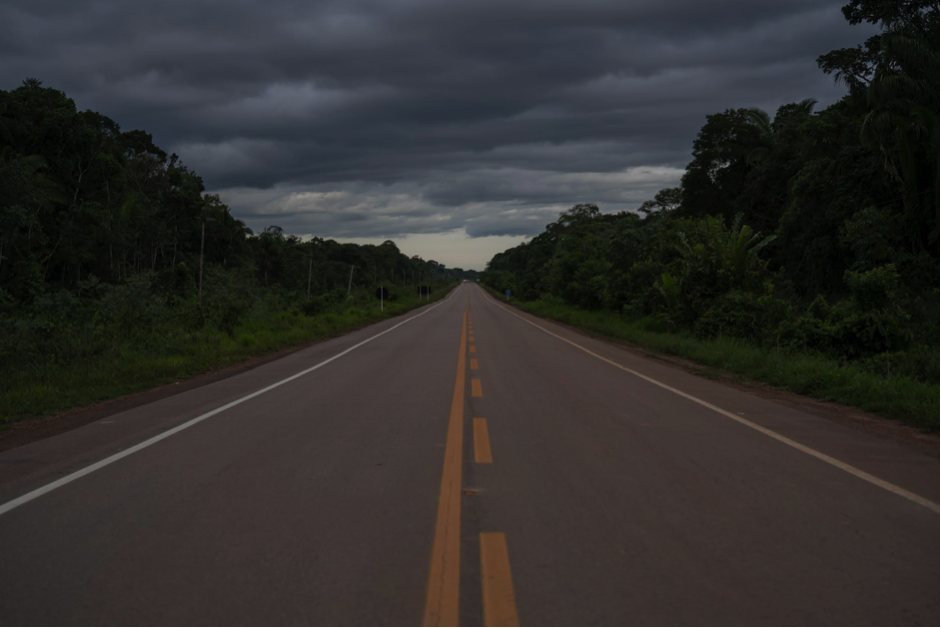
pixel 466 463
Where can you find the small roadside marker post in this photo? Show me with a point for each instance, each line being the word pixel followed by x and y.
pixel 507 296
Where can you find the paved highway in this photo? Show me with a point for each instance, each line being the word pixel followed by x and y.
pixel 466 463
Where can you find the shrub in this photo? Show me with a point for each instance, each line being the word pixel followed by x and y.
pixel 742 315
pixel 317 304
pixel 874 289
pixel 27 281
pixel 177 283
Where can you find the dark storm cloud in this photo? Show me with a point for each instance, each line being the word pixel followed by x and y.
pixel 386 117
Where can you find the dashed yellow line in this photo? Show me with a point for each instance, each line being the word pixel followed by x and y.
pixel 497 581
pixel 482 453
pixel 473 348
pixel 476 390
pixel 442 599
pixel 473 364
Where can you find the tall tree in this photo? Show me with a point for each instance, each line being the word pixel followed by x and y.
pixel 717 172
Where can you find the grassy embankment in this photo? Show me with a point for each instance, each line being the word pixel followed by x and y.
pixel 899 398
pixel 168 352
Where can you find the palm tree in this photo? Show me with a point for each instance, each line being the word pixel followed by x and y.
pixel 764 125
pixel 671 289
pixel 733 249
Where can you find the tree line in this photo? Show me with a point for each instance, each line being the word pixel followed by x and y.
pixel 81 198
pixel 112 253
pixel 816 231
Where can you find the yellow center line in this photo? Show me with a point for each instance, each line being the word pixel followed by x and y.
pixel 441 602
pixel 473 364
pixel 476 391
pixel 497 581
pixel 482 453
pixel 473 348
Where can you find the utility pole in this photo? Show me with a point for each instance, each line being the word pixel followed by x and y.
pixel 310 268
pixel 349 288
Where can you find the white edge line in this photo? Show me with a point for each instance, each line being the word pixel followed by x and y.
pixel 42 490
pixel 892 488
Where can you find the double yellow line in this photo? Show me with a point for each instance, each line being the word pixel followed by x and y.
pixel 442 602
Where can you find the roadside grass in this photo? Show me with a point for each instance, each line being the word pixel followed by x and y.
pixel 899 398
pixel 168 353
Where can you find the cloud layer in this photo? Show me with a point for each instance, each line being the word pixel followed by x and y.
pixel 380 118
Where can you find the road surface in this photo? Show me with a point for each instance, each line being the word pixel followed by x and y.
pixel 466 463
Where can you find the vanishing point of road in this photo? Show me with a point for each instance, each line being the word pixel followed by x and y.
pixel 468 464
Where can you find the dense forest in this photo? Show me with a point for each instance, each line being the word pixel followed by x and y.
pixel 810 231
pixel 82 201
pixel 110 247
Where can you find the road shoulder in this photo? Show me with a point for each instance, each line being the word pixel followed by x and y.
pixel 902 434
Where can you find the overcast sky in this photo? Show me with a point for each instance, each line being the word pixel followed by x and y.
pixel 455 128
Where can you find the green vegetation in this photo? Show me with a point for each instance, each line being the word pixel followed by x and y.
pixel 840 299
pixel 127 337
pixel 118 272
pixel 903 398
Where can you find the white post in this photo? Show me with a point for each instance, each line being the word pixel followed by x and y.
pixel 349 288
